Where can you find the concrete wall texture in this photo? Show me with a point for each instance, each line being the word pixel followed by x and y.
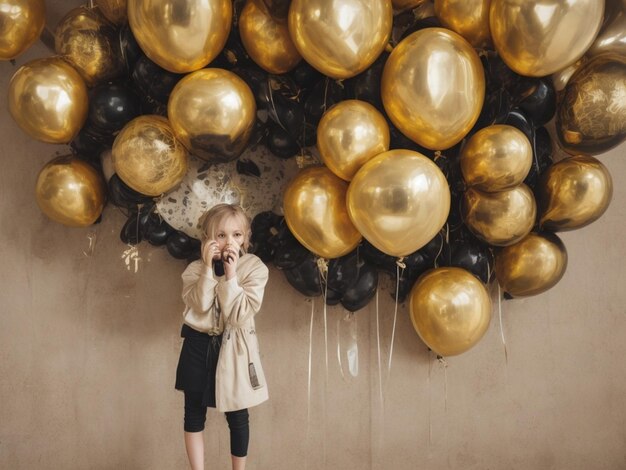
pixel 88 351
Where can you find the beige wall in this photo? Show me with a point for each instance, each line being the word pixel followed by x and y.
pixel 88 351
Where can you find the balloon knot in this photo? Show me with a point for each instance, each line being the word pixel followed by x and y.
pixel 322 265
pixel 400 262
pixel 438 155
pixel 442 360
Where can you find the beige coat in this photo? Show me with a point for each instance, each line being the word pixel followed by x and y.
pixel 240 381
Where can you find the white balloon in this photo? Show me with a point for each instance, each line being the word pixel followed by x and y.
pixel 207 184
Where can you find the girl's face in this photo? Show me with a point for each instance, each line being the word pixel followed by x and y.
pixel 229 232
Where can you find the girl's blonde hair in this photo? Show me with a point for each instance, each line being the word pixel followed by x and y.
pixel 211 219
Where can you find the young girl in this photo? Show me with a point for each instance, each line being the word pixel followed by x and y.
pixel 219 363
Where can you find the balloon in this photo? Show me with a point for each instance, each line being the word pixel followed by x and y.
pixel 469 18
pixel 129 49
pixel 267 40
pixel 70 192
pixel 340 38
pixel 359 294
pixel 305 75
pixel 366 85
pixel 305 277
pixel 433 87
pixel 90 43
pixel 539 102
pixel 532 265
pixel 180 246
pixel 344 272
pixel 501 218
pixel 91 142
pixel 450 310
pixel 399 200
pixel 280 142
pixel 21 24
pixel 324 94
pixel 314 204
pixel 496 158
pixel 591 117
pixel 114 10
pixel 212 112
pixel 540 37
pixel 121 195
pixel 278 8
pixel 130 233
pixel 612 35
pixel 204 186
pixel 112 106
pixel 468 253
pixel 349 134
pixel 573 193
pixel 147 156
pixel 152 80
pixel 542 157
pixel 181 36
pixel 406 4
pixel 48 100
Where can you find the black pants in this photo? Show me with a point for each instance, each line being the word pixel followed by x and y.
pixel 195 417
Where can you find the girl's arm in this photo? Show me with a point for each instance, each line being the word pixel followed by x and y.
pixel 241 299
pixel 199 287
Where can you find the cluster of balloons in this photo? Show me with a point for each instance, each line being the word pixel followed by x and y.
pixel 428 116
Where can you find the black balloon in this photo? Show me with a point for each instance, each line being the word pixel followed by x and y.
pixel 289 253
pixel 112 105
pixel 123 196
pixel 91 142
pixel 180 245
pixel 305 277
pixel 366 85
pixel 152 81
pixel 472 255
pixel 305 75
pixel 256 79
pixel 359 294
pixel 517 118
pixel 322 96
pixel 280 142
pixel 287 113
pixel 539 101
pixel 542 157
pixel 130 233
pixel 344 271
pixel 129 48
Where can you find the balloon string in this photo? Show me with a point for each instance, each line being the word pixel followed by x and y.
pixel 506 355
pixel 429 386
pixel 343 376
pixel 322 265
pixel 380 369
pixel 399 271
pixel 308 393
pixel 444 363
pixel 92 237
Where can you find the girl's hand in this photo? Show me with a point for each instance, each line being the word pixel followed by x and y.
pixel 210 251
pixel 230 256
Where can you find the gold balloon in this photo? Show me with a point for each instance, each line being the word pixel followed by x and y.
pixel 406 4
pixel 532 265
pixel 21 24
pixel 180 35
pixel 433 87
pixel 48 100
pixel 114 10
pixel 612 36
pixel 90 43
pixel 212 112
pixel 573 193
pixel 314 204
pixel 540 37
pixel 148 157
pixel 450 310
pixel 349 134
pixel 266 40
pixel 591 116
pixel 70 192
pixel 502 218
pixel 469 18
pixel 340 38
pixel 497 157
pixel 399 200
